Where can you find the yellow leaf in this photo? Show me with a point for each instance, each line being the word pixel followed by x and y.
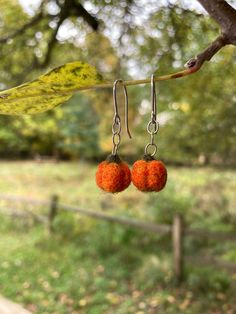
pixel 49 90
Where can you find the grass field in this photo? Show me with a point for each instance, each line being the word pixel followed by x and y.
pixel 96 267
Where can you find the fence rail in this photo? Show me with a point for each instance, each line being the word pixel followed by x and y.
pixel 178 230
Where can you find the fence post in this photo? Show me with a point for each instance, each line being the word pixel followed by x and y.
pixel 177 243
pixel 53 210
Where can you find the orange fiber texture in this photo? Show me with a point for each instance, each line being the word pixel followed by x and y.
pixel 113 177
pixel 149 176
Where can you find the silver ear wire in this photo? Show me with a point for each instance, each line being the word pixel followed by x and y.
pixel 126 104
pixel 154 98
pixel 116 126
pixel 153 125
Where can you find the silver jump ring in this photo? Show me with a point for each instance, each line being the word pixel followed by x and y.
pixel 116 139
pixel 116 118
pixel 116 127
pixel 147 147
pixel 153 127
pixel 114 150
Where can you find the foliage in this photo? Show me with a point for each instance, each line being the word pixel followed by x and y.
pixel 196 113
pixel 49 90
pixel 77 126
pixel 118 278
pixel 94 267
pixel 91 266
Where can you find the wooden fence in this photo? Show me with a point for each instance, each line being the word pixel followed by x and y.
pixel 178 230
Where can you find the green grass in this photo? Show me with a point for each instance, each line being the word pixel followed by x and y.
pixel 95 267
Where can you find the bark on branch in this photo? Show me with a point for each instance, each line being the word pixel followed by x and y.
pixel 68 8
pixel 37 18
pixel 225 16
pixel 208 53
pixel 79 10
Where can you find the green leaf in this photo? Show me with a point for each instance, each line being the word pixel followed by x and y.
pixel 49 90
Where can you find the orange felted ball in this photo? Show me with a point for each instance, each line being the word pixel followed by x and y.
pixel 149 175
pixel 113 175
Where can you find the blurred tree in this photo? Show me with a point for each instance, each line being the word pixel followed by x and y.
pixel 78 129
pixel 123 39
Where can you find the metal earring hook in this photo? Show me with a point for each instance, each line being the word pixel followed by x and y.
pixel 116 114
pixel 154 97
pixel 153 124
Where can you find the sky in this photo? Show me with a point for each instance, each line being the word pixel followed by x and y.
pixel 31 5
pixel 67 30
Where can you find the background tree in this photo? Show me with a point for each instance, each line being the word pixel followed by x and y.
pixel 125 39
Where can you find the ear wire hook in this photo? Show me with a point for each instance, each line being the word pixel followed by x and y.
pixel 153 125
pixel 154 98
pixel 116 115
pixel 116 126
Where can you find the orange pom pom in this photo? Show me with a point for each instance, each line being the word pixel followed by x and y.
pixel 113 175
pixel 149 175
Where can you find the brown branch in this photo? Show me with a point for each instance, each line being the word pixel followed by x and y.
pixel 208 53
pixel 51 44
pixel 69 8
pixel 225 16
pixel 64 13
pixel 35 20
pixel 78 10
pixel 21 30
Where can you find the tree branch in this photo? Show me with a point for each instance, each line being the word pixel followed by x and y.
pixel 51 43
pixel 21 30
pixel 79 10
pixel 225 16
pixel 70 8
pixel 208 53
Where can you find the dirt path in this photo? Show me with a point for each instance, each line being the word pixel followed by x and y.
pixel 8 307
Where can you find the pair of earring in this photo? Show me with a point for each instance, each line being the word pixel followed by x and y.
pixel 148 175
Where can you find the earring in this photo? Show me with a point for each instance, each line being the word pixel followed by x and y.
pixel 149 174
pixel 113 175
